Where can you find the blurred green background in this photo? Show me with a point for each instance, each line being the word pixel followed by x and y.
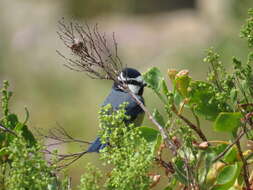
pixel 162 33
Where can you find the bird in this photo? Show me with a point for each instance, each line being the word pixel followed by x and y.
pixel 135 83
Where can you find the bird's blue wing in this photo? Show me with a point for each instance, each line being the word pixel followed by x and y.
pixel 116 98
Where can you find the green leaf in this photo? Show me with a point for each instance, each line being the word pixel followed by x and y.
pixel 180 173
pixel 53 185
pixel 201 99
pixel 26 116
pixel 234 95
pixel 178 99
pixel 152 136
pixel 3 151
pixel 172 184
pixel 207 158
pixel 164 87
pixel 231 155
pixel 19 127
pixel 227 176
pixel 153 77
pixel 219 149
pixel 227 121
pixel 158 117
pixel 182 82
pixel 149 134
pixel 2 137
pixel 13 119
pixel 27 134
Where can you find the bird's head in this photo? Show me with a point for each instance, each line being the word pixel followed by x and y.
pixel 133 79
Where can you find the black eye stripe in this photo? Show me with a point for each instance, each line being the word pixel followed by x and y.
pixel 134 82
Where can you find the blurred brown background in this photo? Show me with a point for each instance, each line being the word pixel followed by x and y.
pixel 162 33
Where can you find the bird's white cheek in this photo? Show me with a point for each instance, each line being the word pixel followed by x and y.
pixel 133 88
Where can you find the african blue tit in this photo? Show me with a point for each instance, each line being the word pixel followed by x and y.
pixel 133 79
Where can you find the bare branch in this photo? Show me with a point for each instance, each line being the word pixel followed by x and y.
pixel 65 160
pixel 91 52
pixel 59 136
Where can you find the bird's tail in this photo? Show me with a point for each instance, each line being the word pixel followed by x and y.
pixel 96 146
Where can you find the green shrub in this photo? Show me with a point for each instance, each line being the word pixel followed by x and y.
pixel 225 99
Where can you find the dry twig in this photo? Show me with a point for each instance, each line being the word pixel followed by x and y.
pixel 91 52
pixel 59 136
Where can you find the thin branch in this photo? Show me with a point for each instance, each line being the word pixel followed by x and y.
pixel 246 105
pixel 190 124
pixel 7 130
pixel 196 118
pixel 68 159
pixel 60 136
pixel 244 166
pixel 90 50
pixel 164 135
pixel 229 146
pixel 168 166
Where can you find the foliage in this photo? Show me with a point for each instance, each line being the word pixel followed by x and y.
pixel 225 99
pixel 129 151
pixel 246 31
pixel 28 169
pixel 23 165
pixel 91 179
pixel 132 152
pixel 11 123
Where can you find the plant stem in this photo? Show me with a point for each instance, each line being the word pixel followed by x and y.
pixel 190 124
pixel 229 146
pixel 165 137
pixel 245 166
pixel 7 130
pixel 196 118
